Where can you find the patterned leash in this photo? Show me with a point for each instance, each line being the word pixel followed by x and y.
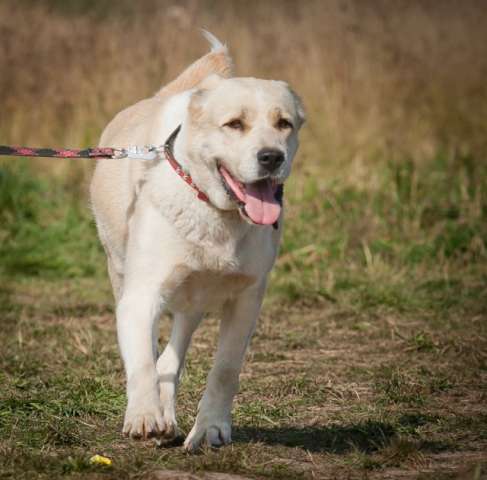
pixel 148 152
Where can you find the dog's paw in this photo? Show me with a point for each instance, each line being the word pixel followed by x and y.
pixel 212 433
pixel 170 432
pixel 149 422
pixel 144 420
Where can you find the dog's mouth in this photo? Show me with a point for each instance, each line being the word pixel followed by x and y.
pixel 260 201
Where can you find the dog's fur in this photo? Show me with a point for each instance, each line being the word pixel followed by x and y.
pixel 169 251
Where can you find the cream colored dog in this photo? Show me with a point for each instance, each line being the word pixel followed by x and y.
pixel 196 245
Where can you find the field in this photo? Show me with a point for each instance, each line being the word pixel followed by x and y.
pixel 370 359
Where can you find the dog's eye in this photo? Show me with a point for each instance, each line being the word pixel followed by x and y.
pixel 235 124
pixel 283 124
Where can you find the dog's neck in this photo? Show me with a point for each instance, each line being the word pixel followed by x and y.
pixel 180 169
pixel 197 221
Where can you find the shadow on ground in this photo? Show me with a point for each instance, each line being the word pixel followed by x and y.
pixel 366 437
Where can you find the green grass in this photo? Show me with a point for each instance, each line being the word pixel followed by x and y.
pixel 45 228
pixel 369 360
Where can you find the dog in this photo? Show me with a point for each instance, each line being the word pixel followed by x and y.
pixel 194 230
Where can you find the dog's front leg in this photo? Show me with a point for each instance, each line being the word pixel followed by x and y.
pixel 213 422
pixel 137 313
pixel 151 260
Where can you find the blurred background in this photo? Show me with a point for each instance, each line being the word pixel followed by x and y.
pixel 376 76
pixel 391 170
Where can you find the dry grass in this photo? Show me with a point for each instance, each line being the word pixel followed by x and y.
pixel 378 76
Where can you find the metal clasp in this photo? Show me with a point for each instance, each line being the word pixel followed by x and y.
pixel 148 152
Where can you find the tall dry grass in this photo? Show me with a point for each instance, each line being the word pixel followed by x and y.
pixel 396 76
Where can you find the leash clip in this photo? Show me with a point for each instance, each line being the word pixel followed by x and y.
pixel 148 152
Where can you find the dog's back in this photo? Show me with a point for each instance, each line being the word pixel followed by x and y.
pixel 114 185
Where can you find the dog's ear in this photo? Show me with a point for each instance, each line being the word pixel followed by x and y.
pixel 298 103
pixel 195 108
pixel 198 96
pixel 299 107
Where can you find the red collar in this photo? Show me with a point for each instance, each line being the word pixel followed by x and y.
pixel 168 153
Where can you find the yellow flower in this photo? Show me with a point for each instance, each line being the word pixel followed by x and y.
pixel 100 460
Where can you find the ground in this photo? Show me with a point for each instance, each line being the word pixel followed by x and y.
pixel 326 393
pixel 369 361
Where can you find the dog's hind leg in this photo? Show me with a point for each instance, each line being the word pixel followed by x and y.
pixel 170 366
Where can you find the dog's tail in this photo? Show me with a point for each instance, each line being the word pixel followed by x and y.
pixel 217 61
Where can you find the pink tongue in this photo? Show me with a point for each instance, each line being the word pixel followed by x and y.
pixel 259 199
pixel 261 204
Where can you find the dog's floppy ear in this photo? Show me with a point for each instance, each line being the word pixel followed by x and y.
pixel 299 107
pixel 298 103
pixel 198 96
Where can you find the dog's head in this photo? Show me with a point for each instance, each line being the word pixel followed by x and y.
pixel 242 135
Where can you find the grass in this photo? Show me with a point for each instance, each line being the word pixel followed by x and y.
pixel 384 247
pixel 369 361
pixel 42 234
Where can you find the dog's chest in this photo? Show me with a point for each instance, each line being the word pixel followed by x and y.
pixel 207 291
pixel 211 277
pixel 221 259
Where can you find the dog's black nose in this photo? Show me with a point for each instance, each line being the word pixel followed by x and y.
pixel 270 158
